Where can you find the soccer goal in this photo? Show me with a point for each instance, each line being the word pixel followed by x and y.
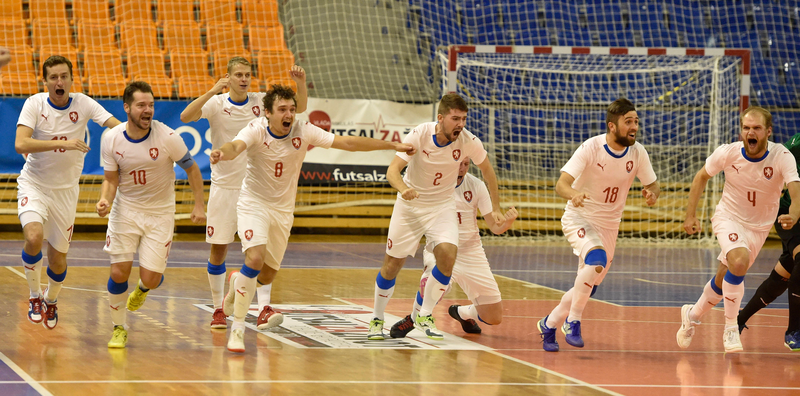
pixel 532 106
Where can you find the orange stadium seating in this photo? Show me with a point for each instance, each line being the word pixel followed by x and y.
pixel 266 39
pixel 19 76
pixel 134 36
pixel 96 36
pixel 48 9
pixel 104 73
pixel 14 35
pixel 260 13
pixel 218 11
pixel 11 10
pixel 149 67
pixel 182 36
pixel 274 65
pixel 226 37
pixel 191 71
pixel 90 10
pixel 175 10
pixel 133 10
pixel 51 33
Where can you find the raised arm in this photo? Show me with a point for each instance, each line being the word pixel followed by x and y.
pixel 360 143
pixel 692 225
pixel 299 76
pixel 194 110
pixel 26 144
pixel 227 152
pixel 107 192
pixel 491 182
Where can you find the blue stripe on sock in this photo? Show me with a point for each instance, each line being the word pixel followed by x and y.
pixel 384 284
pixel 249 272
pixel 419 298
pixel 733 279
pixel 216 269
pixel 714 285
pixel 117 288
pixel 481 320
pixel 161 281
pixel 440 277
pixel 56 277
pixel 28 259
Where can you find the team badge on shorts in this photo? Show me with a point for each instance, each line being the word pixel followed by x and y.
pixel 256 111
pixel 456 154
pixel 154 153
pixel 73 116
pixel 108 241
pixel 733 237
pixel 629 166
pixel 468 196
pixel 210 231
pixel 24 201
pixel 296 143
pixel 768 172
pixel 581 233
pixel 389 244
pixel 248 234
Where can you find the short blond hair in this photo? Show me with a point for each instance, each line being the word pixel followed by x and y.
pixel 237 60
pixel 764 112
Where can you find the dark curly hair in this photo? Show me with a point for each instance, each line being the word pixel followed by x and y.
pixel 276 92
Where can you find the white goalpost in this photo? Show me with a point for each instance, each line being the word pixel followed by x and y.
pixel 533 105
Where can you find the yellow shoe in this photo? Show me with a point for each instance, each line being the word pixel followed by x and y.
pixel 119 338
pixel 136 299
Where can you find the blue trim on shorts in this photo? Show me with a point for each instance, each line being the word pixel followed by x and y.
pixel 216 269
pixel 117 288
pixel 439 276
pixel 714 285
pixel 384 284
pixel 249 272
pixel 56 277
pixel 419 298
pixel 733 279
pixel 28 259
pixel 596 257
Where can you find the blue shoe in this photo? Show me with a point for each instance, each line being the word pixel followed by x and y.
pixel 572 333
pixel 793 340
pixel 549 342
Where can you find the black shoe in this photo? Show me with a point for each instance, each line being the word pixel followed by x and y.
pixel 469 326
pixel 402 328
pixel 742 327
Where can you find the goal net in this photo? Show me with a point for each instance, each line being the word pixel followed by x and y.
pixel 533 106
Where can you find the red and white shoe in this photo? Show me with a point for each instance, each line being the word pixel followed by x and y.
pixel 50 315
pixel 219 320
pixel 269 318
pixel 35 310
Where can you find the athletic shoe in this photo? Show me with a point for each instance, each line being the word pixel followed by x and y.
pixel 731 341
pixel 269 318
pixel 236 341
pixel 548 335
pixel 219 320
pixel 686 332
pixel 50 315
pixel 792 340
pixel 230 298
pixel 136 299
pixel 426 325
pixel 402 328
pixel 376 330
pixel 35 310
pixel 119 338
pixel 572 333
pixel 469 325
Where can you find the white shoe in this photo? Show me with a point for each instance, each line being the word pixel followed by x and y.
pixel 376 330
pixel 230 298
pixel 686 332
pixel 236 341
pixel 731 340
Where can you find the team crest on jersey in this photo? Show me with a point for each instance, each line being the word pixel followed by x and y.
pixel 296 143
pixel 73 116
pixel 629 166
pixel 581 233
pixel 24 201
pixel 768 172
pixel 154 153
pixel 389 244
pixel 733 237
pixel 456 154
pixel 248 234
pixel 256 111
pixel 468 196
pixel 210 231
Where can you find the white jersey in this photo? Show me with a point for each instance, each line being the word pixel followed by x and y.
pixel 471 195
pixel 226 118
pixel 433 170
pixel 273 163
pixel 146 174
pixel 752 187
pixel 606 177
pixel 58 168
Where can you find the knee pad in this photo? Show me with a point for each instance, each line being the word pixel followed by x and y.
pixel 596 257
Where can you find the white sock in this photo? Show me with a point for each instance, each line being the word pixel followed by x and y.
pixel 263 294
pixel 417 306
pixel 559 313
pixel 245 290
pixel 709 299
pixel 732 301
pixel 116 304
pixel 53 288
pixel 434 290
pixel 34 277
pixel 582 290
pixel 382 297
pixel 217 283
pixel 468 312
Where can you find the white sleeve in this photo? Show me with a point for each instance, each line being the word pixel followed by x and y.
pixel 646 175
pixel 210 107
pixel 476 151
pixel 577 163
pixel 107 152
pixel 789 167
pixel 413 139
pixel 484 200
pixel 715 162
pixel 27 117
pixel 318 136
pixel 175 145
pixel 251 134
pixel 99 114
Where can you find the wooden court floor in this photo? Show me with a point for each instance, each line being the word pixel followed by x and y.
pixel 325 291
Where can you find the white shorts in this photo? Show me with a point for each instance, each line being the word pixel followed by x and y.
pixel 731 235
pixel 583 237
pixel 472 273
pixel 221 223
pixel 56 208
pixel 260 225
pixel 129 231
pixel 409 223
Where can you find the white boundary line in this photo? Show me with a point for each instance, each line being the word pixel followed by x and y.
pixel 27 378
pixel 531 285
